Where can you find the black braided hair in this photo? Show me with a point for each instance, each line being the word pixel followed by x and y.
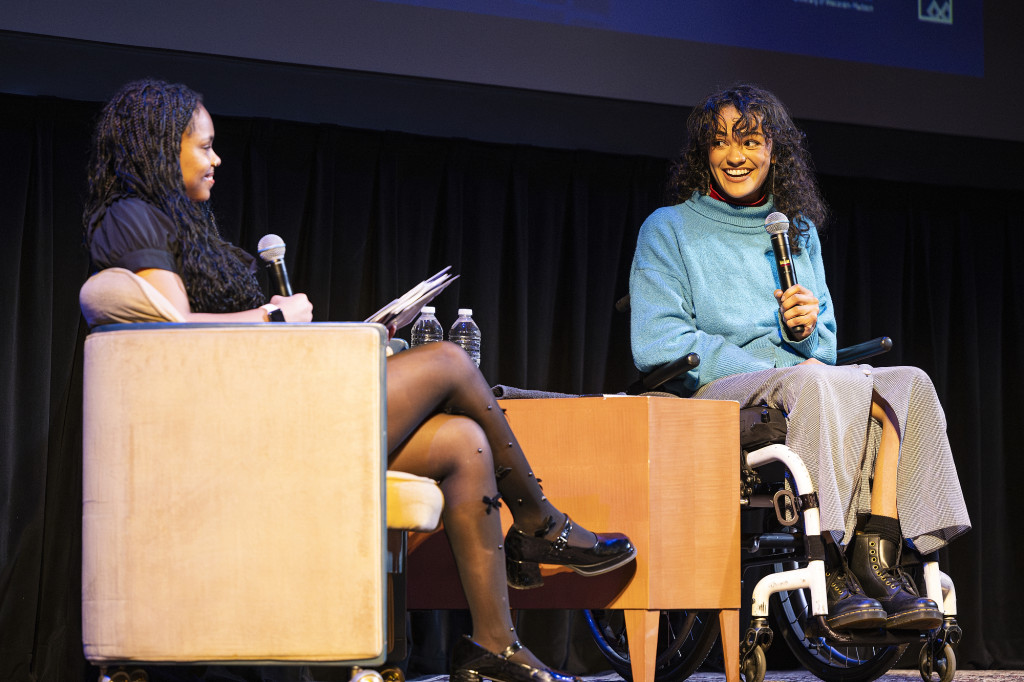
pixel 791 181
pixel 136 153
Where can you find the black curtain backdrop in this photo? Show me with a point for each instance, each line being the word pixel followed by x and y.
pixel 543 240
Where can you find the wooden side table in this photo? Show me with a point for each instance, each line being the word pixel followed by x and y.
pixel 664 471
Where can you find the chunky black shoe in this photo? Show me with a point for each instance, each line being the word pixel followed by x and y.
pixel 876 565
pixel 524 552
pixel 848 607
pixel 471 663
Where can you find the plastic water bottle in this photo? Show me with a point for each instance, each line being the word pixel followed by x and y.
pixel 426 329
pixel 465 333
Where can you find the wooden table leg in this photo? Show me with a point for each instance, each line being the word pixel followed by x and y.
pixel 642 634
pixel 729 624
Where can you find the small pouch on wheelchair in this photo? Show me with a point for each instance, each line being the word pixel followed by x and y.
pixel 761 425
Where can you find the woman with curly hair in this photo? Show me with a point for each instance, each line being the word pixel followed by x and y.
pixel 150 181
pixel 704 280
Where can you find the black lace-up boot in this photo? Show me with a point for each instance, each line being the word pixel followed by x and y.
pixel 876 565
pixel 848 607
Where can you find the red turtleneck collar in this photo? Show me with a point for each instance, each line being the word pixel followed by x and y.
pixel 713 193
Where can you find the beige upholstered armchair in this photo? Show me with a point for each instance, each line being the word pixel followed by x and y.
pixel 234 487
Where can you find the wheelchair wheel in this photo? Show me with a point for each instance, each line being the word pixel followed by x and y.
pixel 831 662
pixel 937 664
pixel 684 640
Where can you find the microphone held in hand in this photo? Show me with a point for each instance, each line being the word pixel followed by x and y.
pixel 777 225
pixel 271 250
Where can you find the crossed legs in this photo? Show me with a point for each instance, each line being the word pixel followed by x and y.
pixel 445 448
pixel 444 423
pixel 440 378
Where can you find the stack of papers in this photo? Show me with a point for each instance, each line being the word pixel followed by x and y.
pixel 404 309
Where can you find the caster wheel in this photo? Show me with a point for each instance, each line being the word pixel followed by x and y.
pixel 392 675
pixel 754 665
pixel 937 667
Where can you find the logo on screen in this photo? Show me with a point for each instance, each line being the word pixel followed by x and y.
pixel 935 11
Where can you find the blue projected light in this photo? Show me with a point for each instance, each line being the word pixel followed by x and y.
pixel 930 35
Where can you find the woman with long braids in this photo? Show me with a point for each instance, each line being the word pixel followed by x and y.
pixel 147 210
pixel 704 280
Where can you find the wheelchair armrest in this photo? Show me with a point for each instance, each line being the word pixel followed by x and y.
pixel 652 381
pixel 679 366
pixel 863 351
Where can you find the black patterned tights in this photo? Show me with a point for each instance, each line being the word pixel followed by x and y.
pixel 444 423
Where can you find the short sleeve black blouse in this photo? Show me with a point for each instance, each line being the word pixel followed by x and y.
pixel 136 235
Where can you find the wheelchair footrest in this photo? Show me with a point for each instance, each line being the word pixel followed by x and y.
pixel 818 628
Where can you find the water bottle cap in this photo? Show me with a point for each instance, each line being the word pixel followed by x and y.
pixel 428 309
pixel 466 311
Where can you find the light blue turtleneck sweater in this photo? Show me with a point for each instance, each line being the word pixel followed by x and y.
pixel 702 282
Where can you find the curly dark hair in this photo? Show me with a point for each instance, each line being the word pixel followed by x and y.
pixel 136 153
pixel 791 180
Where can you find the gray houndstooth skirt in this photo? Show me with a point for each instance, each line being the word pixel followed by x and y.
pixel 830 427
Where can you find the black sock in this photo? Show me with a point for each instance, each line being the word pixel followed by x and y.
pixel 887 528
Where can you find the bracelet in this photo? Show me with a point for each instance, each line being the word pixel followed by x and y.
pixel 274 313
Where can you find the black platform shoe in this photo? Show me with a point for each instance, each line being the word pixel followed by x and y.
pixel 876 565
pixel 523 552
pixel 848 607
pixel 471 662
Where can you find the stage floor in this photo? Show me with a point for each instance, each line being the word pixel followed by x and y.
pixel 804 676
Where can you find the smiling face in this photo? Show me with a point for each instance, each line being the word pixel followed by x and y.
pixel 740 158
pixel 198 160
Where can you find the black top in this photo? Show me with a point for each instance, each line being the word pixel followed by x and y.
pixel 135 235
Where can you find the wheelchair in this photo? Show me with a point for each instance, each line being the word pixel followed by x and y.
pixel 782 556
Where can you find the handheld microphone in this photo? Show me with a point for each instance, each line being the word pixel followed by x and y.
pixel 271 250
pixel 777 225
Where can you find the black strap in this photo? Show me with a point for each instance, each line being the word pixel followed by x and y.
pixel 815 548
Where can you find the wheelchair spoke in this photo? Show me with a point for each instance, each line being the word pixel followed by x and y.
pixel 676 635
pixel 684 640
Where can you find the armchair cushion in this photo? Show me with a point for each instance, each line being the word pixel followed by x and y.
pixel 414 502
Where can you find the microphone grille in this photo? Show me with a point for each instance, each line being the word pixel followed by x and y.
pixel 776 223
pixel 270 248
